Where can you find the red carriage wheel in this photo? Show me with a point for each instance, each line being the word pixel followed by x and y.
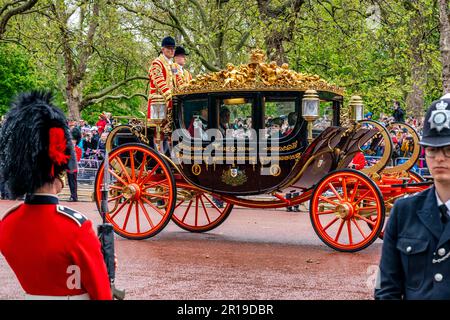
pixel 342 206
pixel 196 211
pixel 142 191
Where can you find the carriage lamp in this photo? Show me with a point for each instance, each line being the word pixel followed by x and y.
pixel 310 110
pixel 158 110
pixel 356 108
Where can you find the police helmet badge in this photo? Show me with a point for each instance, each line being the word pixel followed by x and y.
pixel 440 118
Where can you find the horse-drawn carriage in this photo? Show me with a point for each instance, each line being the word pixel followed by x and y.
pixel 244 136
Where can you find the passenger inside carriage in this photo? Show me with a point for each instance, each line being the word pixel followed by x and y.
pixel 199 123
pixel 224 119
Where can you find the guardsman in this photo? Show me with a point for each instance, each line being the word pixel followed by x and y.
pixel 161 76
pixel 52 249
pixel 182 75
pixel 415 260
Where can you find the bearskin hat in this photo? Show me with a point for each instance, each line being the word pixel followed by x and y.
pixel 35 143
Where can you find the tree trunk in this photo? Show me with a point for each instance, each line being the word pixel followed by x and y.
pixel 73 102
pixel 275 48
pixel 445 44
pixel 415 98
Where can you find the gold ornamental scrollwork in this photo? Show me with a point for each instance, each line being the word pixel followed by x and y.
pixel 257 75
pixel 288 147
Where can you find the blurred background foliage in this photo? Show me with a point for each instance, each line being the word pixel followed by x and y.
pixel 94 54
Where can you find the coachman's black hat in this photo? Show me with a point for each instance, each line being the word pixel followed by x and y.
pixel 180 50
pixel 168 42
pixel 436 127
pixel 35 143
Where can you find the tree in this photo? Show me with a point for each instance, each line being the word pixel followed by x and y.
pixel 279 22
pixel 16 74
pixel 10 9
pixel 445 43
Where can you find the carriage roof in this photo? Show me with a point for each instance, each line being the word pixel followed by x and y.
pixel 257 75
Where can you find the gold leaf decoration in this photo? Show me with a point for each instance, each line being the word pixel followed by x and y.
pixel 256 75
pixel 239 179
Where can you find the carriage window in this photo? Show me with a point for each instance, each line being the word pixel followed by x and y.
pixel 280 117
pixel 195 115
pixel 235 117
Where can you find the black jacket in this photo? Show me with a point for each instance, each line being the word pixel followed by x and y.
pixel 415 260
pixel 399 115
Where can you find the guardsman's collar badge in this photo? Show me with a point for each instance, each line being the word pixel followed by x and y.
pixel 440 118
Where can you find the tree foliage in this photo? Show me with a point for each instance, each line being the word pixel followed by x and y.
pixel 96 53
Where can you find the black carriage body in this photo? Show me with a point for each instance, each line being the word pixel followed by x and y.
pixel 254 176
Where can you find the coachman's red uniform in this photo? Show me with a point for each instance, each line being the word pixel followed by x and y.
pixel 161 83
pixel 53 250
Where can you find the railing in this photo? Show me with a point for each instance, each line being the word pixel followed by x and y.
pixel 87 170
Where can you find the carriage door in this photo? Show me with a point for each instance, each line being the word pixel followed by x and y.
pixel 235 163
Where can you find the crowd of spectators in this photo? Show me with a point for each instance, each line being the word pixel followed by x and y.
pixel 91 139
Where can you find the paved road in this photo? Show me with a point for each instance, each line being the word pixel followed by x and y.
pixel 255 254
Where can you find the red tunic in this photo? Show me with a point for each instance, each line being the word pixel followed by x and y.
pixel 44 243
pixel 160 83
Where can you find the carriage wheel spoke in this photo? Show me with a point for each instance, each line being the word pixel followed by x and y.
pixel 152 184
pixel 334 191
pixel 339 231
pixel 349 230
pixel 344 188
pixel 196 211
pixel 329 201
pixel 215 206
pixel 142 166
pixel 179 204
pixel 355 188
pixel 133 172
pixel 187 210
pixel 325 212
pixel 138 227
pixel 147 216
pixel 117 177
pixel 371 222
pixel 368 208
pixel 143 181
pixel 115 198
pixel 119 209
pixel 330 223
pixel 153 206
pixel 116 187
pixel 359 228
pixel 361 198
pixel 156 195
pixel 124 170
pixel 128 216
pixel 204 209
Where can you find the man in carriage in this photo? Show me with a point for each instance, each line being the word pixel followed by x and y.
pixel 182 75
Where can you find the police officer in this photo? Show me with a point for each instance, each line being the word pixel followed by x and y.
pixel 415 260
pixel 52 249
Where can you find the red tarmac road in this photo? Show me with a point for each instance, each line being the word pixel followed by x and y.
pixel 255 254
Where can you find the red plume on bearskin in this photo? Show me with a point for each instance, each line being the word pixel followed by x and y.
pixel 57 148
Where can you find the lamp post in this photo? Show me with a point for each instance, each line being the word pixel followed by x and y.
pixel 356 108
pixel 310 110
